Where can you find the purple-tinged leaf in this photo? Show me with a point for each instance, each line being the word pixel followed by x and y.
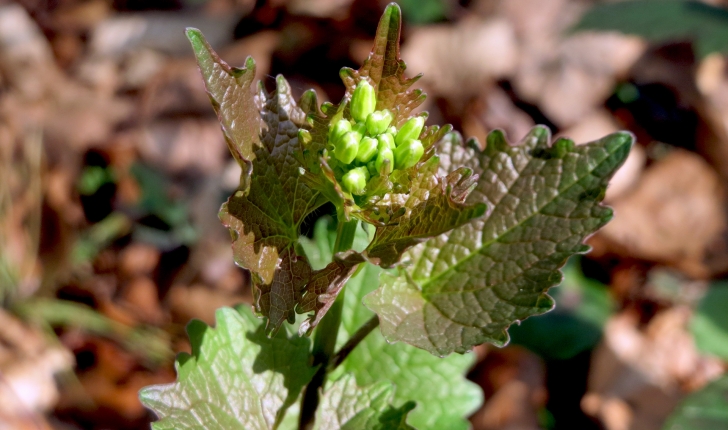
pixel 465 287
pixel 324 287
pixel 265 214
pixel 430 210
pixel 231 95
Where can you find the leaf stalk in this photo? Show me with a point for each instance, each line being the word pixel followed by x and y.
pixel 353 341
pixel 324 341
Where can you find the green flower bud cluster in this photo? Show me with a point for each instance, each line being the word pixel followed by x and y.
pixel 368 144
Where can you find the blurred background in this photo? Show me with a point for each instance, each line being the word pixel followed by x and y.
pixel 113 167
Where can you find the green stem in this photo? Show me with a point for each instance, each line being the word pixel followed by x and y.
pixel 345 233
pixel 353 341
pixel 324 341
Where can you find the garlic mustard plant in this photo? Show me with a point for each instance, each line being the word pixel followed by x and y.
pixel 440 244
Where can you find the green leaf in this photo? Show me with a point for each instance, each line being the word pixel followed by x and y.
pixel 706 409
pixel 409 369
pixel 148 342
pixel 236 377
pixel 465 287
pixel 265 214
pixel 433 206
pixel 709 324
pixel 583 306
pixel 425 11
pixel 94 177
pixel 451 398
pixel 347 407
pixel 663 20
pixel 99 236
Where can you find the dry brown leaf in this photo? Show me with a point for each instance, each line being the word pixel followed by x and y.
pixel 493 109
pixel 141 297
pixel 26 58
pixel 319 8
pixel 81 16
pixel 645 369
pixel 175 145
pixel 457 61
pixel 199 301
pixel 160 31
pixel 536 20
pixel 711 81
pixel 514 382
pixel 138 259
pixel 113 384
pixel 674 216
pixel 28 366
pixel 120 314
pixel 567 77
pixel 591 127
pixel 578 75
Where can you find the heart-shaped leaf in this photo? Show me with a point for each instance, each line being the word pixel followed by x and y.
pixel 345 406
pixel 236 377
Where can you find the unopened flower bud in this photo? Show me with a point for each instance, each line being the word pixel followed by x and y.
pixel 347 147
pixel 372 167
pixel 408 154
pixel 410 130
pixel 378 121
pixel 338 130
pixel 363 101
pixel 355 180
pixel 386 140
pixel 359 127
pixel 367 149
pixel 385 154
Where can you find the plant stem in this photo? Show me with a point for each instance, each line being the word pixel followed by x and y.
pixel 324 341
pixel 355 339
pixel 345 233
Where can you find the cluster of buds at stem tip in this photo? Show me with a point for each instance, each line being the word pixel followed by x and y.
pixel 369 144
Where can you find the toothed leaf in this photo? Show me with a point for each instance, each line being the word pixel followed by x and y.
pixel 324 287
pixel 406 367
pixel 385 70
pixel 348 407
pixel 265 213
pixel 230 91
pixel 236 377
pixel 431 208
pixel 465 287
